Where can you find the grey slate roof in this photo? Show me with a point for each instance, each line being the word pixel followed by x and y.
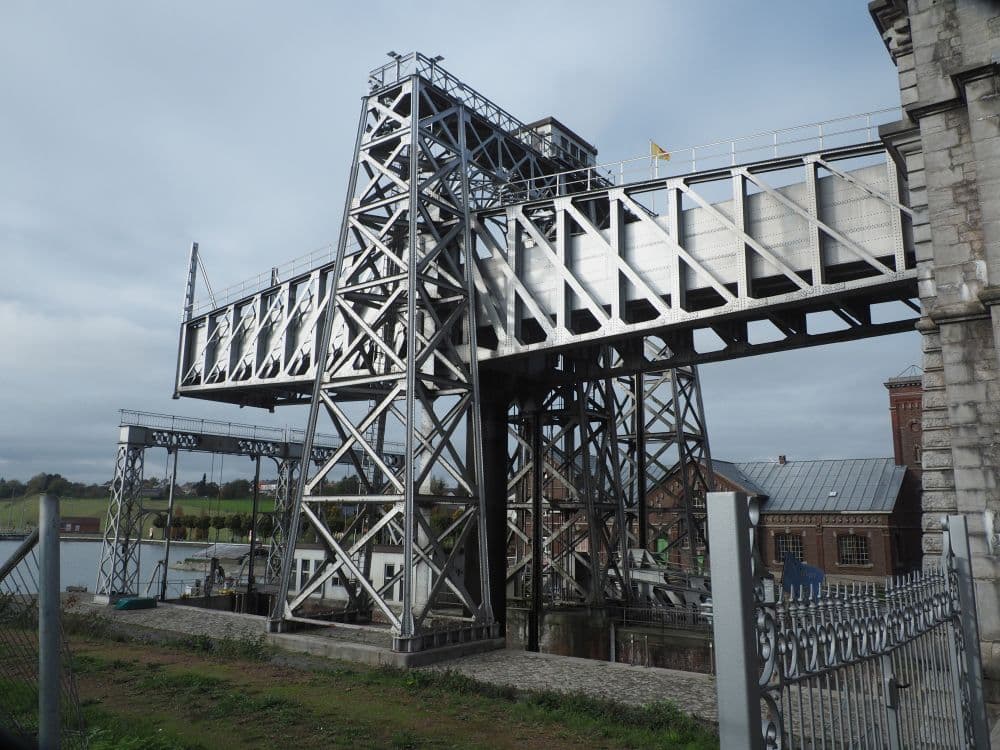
pixel 731 472
pixel 862 485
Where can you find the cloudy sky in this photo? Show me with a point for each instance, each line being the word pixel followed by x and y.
pixel 129 130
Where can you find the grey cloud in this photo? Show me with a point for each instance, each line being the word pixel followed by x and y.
pixel 130 130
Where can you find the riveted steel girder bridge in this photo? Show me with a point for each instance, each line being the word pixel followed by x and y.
pixel 530 324
pixel 118 572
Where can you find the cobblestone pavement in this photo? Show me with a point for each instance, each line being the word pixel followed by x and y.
pixel 691 692
pixel 174 618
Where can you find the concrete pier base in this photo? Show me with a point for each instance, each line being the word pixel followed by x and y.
pixel 372 646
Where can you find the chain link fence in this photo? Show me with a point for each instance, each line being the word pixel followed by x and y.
pixel 19 659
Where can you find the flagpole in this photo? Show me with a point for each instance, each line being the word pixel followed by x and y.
pixel 655 169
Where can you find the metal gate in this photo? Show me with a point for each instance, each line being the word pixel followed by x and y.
pixel 843 666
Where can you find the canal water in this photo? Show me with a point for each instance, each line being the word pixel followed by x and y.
pixel 79 559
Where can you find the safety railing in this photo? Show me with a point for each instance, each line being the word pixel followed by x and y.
pixel 303 264
pixel 669 162
pixel 666 617
pixel 403 66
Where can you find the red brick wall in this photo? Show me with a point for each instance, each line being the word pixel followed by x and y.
pixel 905 411
pixel 819 535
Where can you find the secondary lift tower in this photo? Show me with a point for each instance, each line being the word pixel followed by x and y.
pixel 530 324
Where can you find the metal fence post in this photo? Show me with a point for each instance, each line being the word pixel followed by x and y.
pixel 733 626
pixel 962 560
pixel 954 652
pixel 48 624
pixel 890 688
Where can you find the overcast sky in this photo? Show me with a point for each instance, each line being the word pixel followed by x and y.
pixel 129 130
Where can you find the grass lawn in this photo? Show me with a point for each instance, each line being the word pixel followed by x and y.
pixel 243 695
pixel 13 512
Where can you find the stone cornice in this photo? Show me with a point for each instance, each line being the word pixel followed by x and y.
pixel 959 79
pixel 959 312
pixel 892 20
pixel 989 295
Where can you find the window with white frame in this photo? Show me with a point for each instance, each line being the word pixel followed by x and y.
pixel 788 544
pixel 304 572
pixel 388 574
pixel 852 549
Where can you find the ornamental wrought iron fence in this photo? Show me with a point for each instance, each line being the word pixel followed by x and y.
pixel 843 666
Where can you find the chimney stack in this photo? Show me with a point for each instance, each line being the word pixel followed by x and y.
pixel 782 460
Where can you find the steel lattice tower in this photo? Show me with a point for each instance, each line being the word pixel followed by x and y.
pixel 569 514
pixel 664 442
pixel 394 331
pixel 288 474
pixel 119 570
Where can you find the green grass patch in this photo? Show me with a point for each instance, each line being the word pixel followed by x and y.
pixel 23 511
pixel 212 694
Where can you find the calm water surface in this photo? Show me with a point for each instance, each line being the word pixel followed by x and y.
pixel 78 561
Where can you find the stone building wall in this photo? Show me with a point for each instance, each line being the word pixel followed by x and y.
pixel 948 56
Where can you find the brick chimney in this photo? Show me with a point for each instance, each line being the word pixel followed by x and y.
pixel 906 413
pixel 782 460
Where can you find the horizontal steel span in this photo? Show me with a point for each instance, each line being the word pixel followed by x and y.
pixel 706 266
pixel 141 429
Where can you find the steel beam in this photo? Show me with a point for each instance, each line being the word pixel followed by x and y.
pixel 800 237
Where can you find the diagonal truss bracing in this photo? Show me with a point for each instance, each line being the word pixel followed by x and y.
pixel 583 299
pixel 394 347
pixel 711 256
pixel 667 464
pixel 679 261
pixel 118 574
pixel 567 533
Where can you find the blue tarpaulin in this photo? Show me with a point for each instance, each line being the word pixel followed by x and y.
pixel 796 574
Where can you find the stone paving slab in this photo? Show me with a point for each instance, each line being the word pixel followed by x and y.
pixel 691 692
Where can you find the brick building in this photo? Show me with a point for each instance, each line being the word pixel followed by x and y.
pixel 79 525
pixel 906 411
pixel 848 517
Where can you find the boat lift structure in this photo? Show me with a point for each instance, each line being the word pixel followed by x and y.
pixel 530 324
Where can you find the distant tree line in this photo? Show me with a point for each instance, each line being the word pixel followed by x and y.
pixel 235 490
pixel 56 484
pixel 237 523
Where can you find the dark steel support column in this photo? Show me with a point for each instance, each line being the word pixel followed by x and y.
pixel 537 559
pixel 641 488
pixel 49 631
pixel 167 530
pixel 251 584
pixel 494 416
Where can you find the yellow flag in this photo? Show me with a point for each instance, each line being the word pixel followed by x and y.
pixel 658 153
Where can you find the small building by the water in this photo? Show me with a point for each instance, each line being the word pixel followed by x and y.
pixel 79 525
